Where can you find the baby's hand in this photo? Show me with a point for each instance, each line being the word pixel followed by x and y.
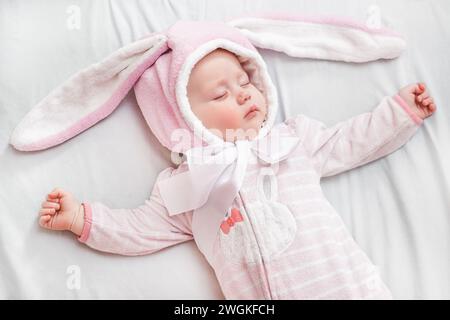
pixel 418 99
pixel 60 211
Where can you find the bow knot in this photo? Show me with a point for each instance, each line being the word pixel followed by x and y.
pixel 217 165
pixel 229 222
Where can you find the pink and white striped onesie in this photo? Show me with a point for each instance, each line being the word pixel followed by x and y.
pixel 305 252
pixel 288 243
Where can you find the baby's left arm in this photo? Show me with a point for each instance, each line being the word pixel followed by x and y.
pixel 365 137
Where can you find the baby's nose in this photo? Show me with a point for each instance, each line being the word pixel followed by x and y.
pixel 243 97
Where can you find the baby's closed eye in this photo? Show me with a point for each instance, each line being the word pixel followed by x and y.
pixel 220 96
pixel 224 94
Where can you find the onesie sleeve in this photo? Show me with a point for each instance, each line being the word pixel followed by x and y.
pixel 359 140
pixel 143 230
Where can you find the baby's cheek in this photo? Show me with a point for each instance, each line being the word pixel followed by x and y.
pixel 227 119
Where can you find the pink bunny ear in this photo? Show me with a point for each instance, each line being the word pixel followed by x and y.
pixel 87 97
pixel 327 38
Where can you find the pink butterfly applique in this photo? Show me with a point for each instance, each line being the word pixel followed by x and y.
pixel 234 217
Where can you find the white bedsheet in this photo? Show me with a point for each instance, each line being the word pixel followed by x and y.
pixel 397 208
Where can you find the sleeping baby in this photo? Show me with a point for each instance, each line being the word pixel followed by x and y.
pixel 247 191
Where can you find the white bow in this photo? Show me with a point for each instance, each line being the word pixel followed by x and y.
pixel 214 179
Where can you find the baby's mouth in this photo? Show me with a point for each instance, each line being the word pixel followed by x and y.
pixel 251 112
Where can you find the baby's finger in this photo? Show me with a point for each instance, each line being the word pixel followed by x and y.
pixel 47 211
pixel 44 220
pixel 422 97
pixel 56 193
pixel 432 107
pixel 422 86
pixel 55 200
pixel 48 204
pixel 53 195
pixel 419 88
pixel 427 101
pixel 425 95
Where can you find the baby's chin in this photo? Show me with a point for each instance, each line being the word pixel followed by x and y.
pixel 255 123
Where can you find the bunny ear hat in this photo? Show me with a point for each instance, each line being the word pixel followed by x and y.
pixel 158 68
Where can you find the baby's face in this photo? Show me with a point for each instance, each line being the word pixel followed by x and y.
pixel 222 97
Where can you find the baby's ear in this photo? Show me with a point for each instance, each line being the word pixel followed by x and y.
pixel 87 97
pixel 327 38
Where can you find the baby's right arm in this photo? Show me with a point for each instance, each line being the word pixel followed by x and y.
pixel 138 231
pixel 61 211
